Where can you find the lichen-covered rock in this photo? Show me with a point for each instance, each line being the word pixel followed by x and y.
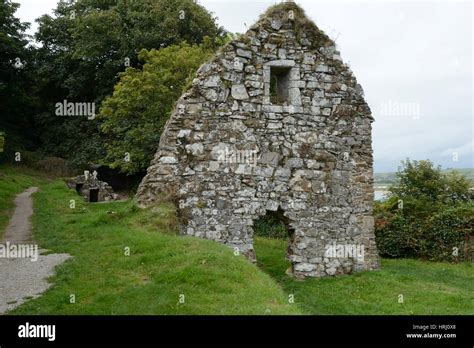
pixel 276 122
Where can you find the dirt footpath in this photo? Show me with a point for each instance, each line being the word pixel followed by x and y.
pixel 20 278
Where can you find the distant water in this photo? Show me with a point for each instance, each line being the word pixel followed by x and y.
pixel 380 195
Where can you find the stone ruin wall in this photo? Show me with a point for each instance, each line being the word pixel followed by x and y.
pixel 84 184
pixel 314 151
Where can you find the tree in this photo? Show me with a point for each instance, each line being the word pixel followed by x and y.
pixel 420 180
pixel 457 188
pixel 16 81
pixel 134 116
pixel 428 215
pixel 88 43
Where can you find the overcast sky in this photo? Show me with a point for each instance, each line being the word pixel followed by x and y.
pixel 414 61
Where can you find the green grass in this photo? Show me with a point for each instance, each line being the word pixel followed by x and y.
pixel 161 267
pixel 427 287
pixel 14 180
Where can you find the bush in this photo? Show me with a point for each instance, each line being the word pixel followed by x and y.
pixel 393 237
pixel 428 216
pixel 449 234
pixel 443 236
pixel 270 226
pixel 54 165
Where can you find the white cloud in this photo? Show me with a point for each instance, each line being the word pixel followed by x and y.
pixel 462 150
pixel 30 10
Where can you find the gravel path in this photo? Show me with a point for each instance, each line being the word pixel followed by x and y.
pixel 20 278
pixel 19 229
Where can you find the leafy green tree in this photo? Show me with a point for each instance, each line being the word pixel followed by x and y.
pixel 134 116
pixel 457 188
pixel 84 47
pixel 420 180
pixel 16 81
pixel 428 215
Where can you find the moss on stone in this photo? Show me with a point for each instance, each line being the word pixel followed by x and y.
pixel 289 12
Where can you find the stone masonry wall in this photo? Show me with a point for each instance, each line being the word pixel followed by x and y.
pixel 228 155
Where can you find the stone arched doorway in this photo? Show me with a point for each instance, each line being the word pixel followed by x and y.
pixel 275 224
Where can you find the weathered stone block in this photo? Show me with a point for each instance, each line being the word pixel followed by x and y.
pixel 239 92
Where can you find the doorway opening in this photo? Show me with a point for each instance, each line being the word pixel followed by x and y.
pixel 79 188
pixel 275 225
pixel 93 195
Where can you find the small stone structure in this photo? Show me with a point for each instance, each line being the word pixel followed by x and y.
pixel 92 189
pixel 275 123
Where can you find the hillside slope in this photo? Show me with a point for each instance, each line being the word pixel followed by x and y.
pixel 161 268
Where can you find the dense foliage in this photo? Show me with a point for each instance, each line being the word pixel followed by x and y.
pixel 2 141
pixel 133 117
pixel 17 100
pixel 81 50
pixel 272 225
pixel 429 215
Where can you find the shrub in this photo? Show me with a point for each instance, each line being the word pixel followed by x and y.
pixel 54 165
pixel 428 216
pixel 444 236
pixel 449 234
pixel 271 226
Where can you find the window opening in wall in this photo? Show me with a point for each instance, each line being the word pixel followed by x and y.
pixel 279 85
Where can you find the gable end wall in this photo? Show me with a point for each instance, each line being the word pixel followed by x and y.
pixel 228 155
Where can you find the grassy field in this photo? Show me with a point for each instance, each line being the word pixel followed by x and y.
pixel 162 266
pixel 13 181
pixel 426 287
